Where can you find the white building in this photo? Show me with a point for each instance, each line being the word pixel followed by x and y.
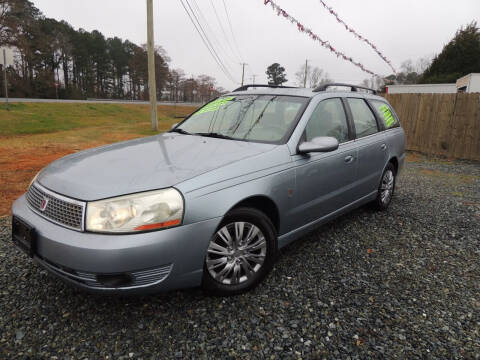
pixel 422 89
pixel 469 83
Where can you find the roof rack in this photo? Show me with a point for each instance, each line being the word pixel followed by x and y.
pixel 352 87
pixel 246 87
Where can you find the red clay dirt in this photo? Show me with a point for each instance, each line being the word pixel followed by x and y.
pixel 20 162
pixel 19 167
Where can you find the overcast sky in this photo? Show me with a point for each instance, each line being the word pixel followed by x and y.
pixel 406 29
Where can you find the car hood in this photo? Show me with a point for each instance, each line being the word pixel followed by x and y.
pixel 143 164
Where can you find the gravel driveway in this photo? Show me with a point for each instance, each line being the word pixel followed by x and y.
pixel 404 283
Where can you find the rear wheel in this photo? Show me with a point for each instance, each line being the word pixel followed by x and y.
pixel 386 188
pixel 240 253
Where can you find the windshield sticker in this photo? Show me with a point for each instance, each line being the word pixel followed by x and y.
pixel 215 105
pixel 387 115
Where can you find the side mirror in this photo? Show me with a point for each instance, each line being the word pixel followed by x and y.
pixel 173 126
pixel 318 144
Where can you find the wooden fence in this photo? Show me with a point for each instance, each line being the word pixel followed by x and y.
pixel 440 124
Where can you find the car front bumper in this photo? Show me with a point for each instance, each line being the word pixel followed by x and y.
pixel 128 264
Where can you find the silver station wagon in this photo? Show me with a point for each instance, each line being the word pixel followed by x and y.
pixel 210 202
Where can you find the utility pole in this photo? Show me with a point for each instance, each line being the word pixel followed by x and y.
pixel 243 71
pixel 57 83
pixel 5 76
pixel 306 71
pixel 253 78
pixel 152 88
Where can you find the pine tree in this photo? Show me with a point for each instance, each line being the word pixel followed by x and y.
pixel 276 74
pixel 461 56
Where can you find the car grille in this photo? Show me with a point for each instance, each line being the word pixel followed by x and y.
pixel 59 209
pixel 138 279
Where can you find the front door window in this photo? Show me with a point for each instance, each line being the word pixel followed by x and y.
pixel 328 119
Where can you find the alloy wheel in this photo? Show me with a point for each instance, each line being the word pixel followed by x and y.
pixel 236 252
pixel 386 188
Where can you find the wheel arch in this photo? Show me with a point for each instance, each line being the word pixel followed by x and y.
pixel 264 204
pixel 394 161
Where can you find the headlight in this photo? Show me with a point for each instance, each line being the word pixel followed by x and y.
pixel 151 210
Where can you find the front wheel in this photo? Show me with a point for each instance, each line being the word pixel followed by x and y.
pixel 386 188
pixel 240 253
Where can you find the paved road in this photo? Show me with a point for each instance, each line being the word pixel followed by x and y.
pixel 98 101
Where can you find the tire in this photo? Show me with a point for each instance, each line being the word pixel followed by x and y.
pixel 386 189
pixel 240 270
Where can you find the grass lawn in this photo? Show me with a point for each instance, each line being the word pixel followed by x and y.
pixel 34 134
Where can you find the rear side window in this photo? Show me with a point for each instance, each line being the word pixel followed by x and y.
pixel 386 113
pixel 363 118
pixel 328 119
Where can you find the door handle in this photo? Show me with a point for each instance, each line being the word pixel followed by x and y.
pixel 349 159
pixel 383 146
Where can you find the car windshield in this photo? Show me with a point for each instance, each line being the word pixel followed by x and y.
pixel 262 118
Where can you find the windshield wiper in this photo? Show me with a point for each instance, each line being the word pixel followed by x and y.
pixel 180 131
pixel 259 117
pixel 215 135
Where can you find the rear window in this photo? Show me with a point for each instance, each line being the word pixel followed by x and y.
pixel 386 113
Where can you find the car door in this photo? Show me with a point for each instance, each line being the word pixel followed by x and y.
pixel 324 180
pixel 371 146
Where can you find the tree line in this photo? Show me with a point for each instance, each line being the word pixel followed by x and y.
pixel 52 59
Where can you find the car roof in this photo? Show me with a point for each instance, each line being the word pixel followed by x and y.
pixel 276 91
pixel 305 92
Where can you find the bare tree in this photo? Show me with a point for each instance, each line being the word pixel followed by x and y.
pixel 423 63
pixel 375 83
pixel 365 83
pixel 163 53
pixel 324 79
pixel 176 77
pixel 379 83
pixel 407 66
pixel 319 77
pixel 4 31
pixel 315 76
pixel 300 75
pixel 206 85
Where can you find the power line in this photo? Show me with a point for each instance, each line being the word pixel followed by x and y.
pixel 207 43
pixel 207 27
pixel 223 31
pixel 221 63
pixel 231 30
